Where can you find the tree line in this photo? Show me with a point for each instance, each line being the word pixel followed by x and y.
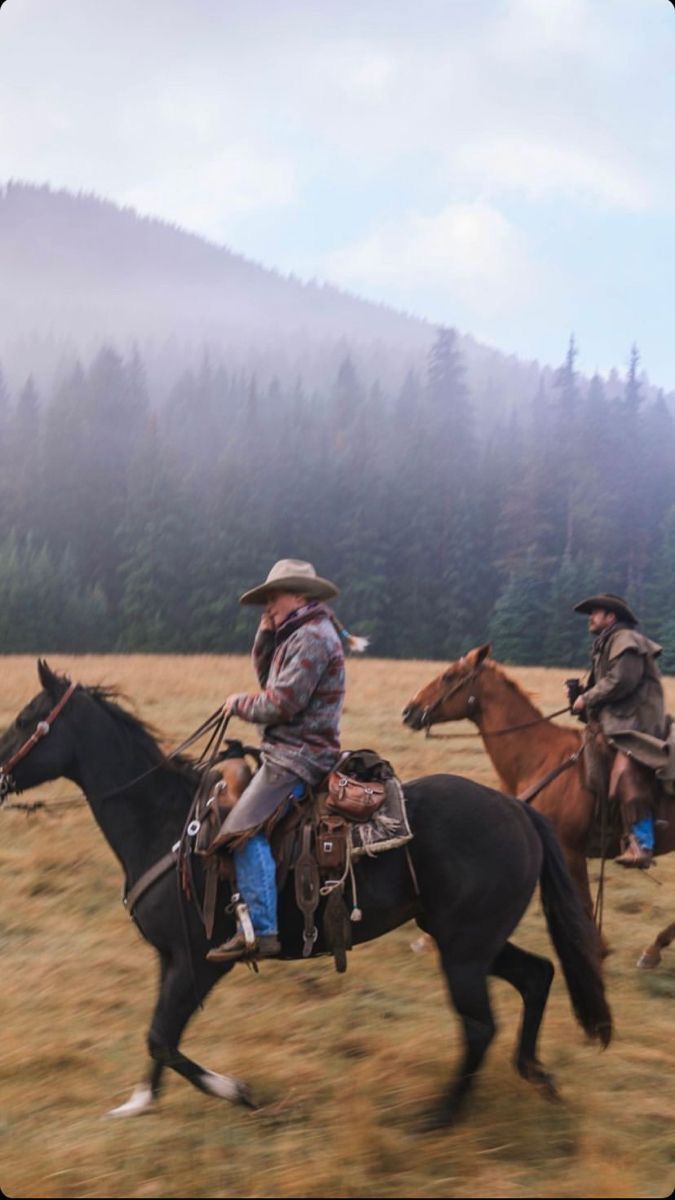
pixel 128 526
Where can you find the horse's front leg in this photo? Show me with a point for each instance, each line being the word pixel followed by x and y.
pixel 179 996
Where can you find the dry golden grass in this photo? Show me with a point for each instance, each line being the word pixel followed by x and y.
pixel 344 1063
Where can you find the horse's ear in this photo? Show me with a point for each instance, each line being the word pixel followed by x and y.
pixel 52 683
pixel 478 655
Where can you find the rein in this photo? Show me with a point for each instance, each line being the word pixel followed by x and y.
pixel 528 796
pixel 42 728
pixel 475 707
pixel 499 732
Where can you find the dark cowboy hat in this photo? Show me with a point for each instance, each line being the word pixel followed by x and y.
pixel 610 603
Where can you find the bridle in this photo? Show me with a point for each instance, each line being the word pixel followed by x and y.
pixel 473 708
pixel 216 724
pixel 7 783
pixel 472 702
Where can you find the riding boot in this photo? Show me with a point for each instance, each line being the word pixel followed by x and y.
pixel 635 855
pixel 266 945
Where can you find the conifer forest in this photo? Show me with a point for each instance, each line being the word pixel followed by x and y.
pixel 134 526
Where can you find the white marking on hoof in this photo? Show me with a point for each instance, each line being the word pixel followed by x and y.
pixel 140 1101
pixel 422 944
pixel 647 962
pixel 225 1087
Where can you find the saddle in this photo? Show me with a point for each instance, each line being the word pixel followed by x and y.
pixel 359 809
pixel 607 834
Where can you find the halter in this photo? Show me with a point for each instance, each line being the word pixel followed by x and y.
pixel 42 728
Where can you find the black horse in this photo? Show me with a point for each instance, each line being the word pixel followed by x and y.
pixel 477 857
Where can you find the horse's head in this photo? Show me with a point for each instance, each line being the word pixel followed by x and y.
pixel 449 696
pixel 30 753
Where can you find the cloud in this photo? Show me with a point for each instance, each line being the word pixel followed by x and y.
pixel 468 253
pixel 366 74
pixel 528 26
pixel 536 169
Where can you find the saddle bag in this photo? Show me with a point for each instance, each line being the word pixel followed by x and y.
pixel 355 799
pixel 331 843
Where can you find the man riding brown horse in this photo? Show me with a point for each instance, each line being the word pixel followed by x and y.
pixel 624 692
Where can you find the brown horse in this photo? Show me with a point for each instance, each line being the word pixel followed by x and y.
pixel 524 747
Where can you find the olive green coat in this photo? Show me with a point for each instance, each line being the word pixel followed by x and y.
pixel 624 688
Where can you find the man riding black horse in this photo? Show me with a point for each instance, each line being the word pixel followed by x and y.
pixel 299 660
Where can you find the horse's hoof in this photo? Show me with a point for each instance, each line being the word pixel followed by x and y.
pixel 141 1101
pixel 225 1087
pixel 648 960
pixel 245 1096
pixel 541 1079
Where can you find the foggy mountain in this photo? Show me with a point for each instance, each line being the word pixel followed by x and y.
pixel 150 382
pixel 77 271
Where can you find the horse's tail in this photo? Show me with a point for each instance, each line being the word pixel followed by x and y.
pixel 573 935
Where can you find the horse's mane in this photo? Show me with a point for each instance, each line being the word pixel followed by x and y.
pixel 498 670
pixel 141 733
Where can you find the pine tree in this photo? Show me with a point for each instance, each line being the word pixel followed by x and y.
pixel 517 626
pixel 566 637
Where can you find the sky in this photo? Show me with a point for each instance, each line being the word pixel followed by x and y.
pixel 505 167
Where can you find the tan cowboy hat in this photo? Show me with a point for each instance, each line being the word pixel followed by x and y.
pixel 610 603
pixel 291 575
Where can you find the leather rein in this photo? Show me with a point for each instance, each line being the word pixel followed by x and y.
pixel 217 723
pixel 473 707
pixel 8 785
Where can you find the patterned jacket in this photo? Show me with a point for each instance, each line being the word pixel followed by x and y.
pixel 301 670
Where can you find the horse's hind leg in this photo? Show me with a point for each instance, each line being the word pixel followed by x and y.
pixel 467 984
pixel 532 976
pixel 651 957
pixel 178 998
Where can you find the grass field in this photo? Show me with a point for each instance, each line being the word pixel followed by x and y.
pixel 342 1064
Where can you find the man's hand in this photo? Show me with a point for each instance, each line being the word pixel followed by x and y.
pixel 579 705
pixel 226 710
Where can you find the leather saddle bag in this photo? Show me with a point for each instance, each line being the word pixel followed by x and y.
pixel 331 843
pixel 356 799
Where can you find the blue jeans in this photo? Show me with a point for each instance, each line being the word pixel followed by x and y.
pixel 644 833
pixel 257 884
pixel 257 876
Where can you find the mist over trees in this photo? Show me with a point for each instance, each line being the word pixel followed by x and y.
pixel 132 525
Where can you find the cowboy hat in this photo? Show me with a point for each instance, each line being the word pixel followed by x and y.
pixel 291 575
pixel 610 603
